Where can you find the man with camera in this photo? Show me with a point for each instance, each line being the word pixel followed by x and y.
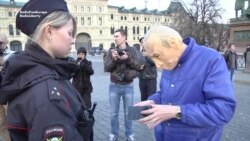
pixel 4 54
pixel 123 63
pixel 81 80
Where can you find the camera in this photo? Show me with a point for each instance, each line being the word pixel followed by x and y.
pixel 2 52
pixel 78 59
pixel 120 51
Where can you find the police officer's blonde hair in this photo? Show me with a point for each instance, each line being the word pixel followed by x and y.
pixel 56 19
pixel 164 33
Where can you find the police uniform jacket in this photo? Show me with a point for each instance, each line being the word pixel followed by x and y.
pixel 42 103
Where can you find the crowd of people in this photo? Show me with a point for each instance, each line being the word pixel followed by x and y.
pixel 193 102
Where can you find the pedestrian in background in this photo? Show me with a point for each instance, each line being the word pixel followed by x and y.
pixel 231 60
pixel 5 53
pixel 81 79
pixel 196 98
pixel 123 64
pixel 245 54
pixel 1 66
pixel 4 134
pixel 147 75
pixel 42 103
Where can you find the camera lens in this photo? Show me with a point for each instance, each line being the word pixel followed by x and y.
pixel 120 53
pixel 1 52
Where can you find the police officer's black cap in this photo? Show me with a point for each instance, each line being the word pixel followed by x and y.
pixel 33 12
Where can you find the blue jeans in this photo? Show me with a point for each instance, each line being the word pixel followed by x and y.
pixel 116 91
pixel 231 74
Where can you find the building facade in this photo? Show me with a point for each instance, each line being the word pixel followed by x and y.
pixel 96 22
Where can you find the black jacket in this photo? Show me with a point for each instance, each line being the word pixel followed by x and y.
pixel 228 58
pixel 123 71
pixel 149 70
pixel 42 103
pixel 0 78
pixel 81 79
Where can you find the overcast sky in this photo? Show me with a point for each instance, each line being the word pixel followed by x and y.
pixel 228 5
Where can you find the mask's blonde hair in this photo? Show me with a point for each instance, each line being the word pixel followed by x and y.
pixel 164 33
pixel 56 19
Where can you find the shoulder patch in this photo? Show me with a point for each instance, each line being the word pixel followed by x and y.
pixel 55 91
pixel 55 133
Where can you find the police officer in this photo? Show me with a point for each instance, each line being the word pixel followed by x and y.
pixel 42 103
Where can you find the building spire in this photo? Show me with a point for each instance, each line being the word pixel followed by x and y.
pixel 146 4
pixel 12 2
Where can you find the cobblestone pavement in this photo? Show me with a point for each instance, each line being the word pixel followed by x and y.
pixel 237 130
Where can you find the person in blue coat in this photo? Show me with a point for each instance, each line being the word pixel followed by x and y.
pixel 196 98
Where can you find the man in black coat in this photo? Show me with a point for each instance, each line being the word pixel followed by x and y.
pixel 81 79
pixel 147 75
pixel 245 54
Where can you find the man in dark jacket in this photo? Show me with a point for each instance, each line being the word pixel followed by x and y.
pixel 123 64
pixel 81 79
pixel 147 76
pixel 245 54
pixel 5 52
pixel 231 60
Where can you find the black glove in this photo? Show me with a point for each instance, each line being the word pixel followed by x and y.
pixel 85 126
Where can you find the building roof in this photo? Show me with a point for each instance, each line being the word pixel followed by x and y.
pixel 173 7
pixel 11 3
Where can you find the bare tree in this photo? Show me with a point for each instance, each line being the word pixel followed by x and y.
pixel 201 20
